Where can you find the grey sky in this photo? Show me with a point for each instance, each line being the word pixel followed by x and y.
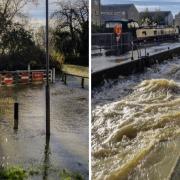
pixel 37 12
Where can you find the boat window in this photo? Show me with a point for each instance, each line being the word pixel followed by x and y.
pixel 144 33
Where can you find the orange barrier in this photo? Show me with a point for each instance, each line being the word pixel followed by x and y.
pixel 24 77
pixel 8 79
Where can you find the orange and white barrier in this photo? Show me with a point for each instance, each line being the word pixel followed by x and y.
pixel 37 76
pixel 8 80
pixel 24 77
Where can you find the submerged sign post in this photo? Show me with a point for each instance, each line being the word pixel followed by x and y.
pixel 47 72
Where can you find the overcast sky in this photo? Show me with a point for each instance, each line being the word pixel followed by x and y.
pixel 165 5
pixel 37 12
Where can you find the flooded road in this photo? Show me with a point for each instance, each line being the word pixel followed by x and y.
pixel 28 147
pixel 136 125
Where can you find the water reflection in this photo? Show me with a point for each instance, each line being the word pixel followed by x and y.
pixel 46 158
pixel 68 147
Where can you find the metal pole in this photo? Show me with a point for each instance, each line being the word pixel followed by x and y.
pixel 47 72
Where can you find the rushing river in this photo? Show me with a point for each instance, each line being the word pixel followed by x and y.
pixel 68 145
pixel 136 126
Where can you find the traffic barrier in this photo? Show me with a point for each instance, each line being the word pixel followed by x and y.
pixel 24 77
pixel 8 80
pixel 37 77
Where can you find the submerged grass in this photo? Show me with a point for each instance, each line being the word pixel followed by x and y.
pixel 19 173
pixel 66 175
pixel 13 173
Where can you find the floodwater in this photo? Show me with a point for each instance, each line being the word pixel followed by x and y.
pixel 136 126
pixel 28 147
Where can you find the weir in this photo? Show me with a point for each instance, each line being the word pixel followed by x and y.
pixel 135 122
pixel 175 172
pixel 132 66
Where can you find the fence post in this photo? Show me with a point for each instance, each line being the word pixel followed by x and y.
pixel 62 77
pixel 16 115
pixel 132 49
pixel 65 79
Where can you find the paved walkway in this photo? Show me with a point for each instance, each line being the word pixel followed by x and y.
pixel 104 62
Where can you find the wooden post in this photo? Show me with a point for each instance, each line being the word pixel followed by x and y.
pixel 16 115
pixel 65 79
pixel 82 82
pixel 62 77
pixel 132 49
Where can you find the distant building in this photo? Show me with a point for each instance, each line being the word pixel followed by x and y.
pixel 119 12
pixel 177 20
pixel 159 17
pixel 96 12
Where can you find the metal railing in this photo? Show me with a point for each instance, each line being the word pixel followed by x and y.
pixel 106 42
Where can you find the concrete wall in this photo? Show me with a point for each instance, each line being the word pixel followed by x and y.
pixel 96 12
pixel 177 20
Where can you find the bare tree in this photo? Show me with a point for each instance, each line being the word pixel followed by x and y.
pixel 9 9
pixel 72 16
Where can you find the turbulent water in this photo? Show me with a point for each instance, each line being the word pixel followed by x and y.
pixel 136 125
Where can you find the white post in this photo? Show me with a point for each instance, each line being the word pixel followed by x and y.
pixel 54 75
pixel 29 72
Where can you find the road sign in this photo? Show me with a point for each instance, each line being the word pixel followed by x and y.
pixel 118 30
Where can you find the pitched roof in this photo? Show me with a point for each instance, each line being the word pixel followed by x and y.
pixel 117 7
pixel 155 13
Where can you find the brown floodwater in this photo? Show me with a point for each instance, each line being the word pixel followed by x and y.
pixel 136 126
pixel 67 147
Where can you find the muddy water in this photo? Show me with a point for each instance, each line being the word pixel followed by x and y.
pixel 28 147
pixel 136 125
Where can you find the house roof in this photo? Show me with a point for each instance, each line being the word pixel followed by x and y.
pixel 155 13
pixel 117 7
pixel 177 15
